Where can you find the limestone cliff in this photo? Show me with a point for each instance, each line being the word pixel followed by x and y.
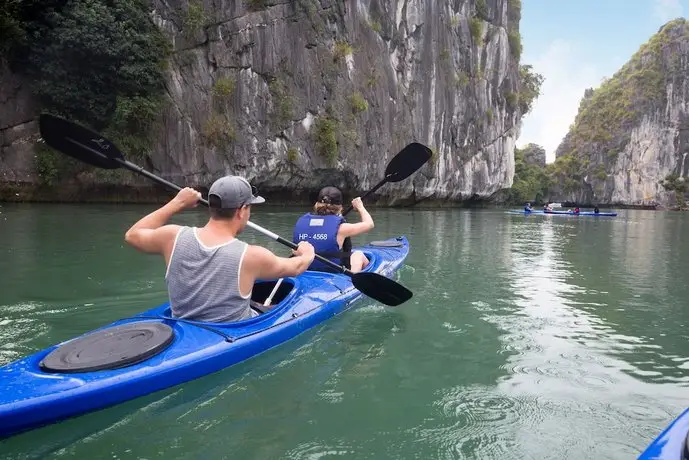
pixel 289 92
pixel 631 134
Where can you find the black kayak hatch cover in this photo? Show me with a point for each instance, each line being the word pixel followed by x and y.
pixel 110 348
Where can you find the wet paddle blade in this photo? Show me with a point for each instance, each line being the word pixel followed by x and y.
pixel 407 162
pixel 79 142
pixel 380 288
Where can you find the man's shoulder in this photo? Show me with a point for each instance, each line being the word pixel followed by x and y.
pixel 172 230
pixel 257 256
pixel 257 250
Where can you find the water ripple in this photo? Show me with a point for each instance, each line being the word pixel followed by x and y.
pixel 314 450
pixel 475 405
pixel 474 422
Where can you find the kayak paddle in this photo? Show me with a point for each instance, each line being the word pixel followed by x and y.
pixel 402 165
pixel 92 148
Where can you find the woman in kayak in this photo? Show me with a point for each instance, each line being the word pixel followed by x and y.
pixel 210 272
pixel 330 234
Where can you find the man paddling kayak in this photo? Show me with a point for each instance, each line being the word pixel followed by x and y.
pixel 330 234
pixel 210 273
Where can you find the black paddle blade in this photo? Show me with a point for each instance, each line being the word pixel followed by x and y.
pixel 382 289
pixel 407 162
pixel 79 142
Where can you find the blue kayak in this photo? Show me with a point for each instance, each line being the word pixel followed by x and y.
pixel 672 443
pixel 152 351
pixel 564 213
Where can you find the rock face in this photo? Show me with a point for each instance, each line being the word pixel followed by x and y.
pixel 17 128
pixel 632 132
pixel 296 93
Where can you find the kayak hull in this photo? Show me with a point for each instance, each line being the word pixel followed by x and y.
pixel 565 213
pixel 672 442
pixel 31 397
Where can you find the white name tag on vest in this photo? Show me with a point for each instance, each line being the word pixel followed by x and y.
pixel 316 222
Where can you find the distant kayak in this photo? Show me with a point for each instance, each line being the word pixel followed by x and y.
pixel 563 213
pixel 672 442
pixel 582 213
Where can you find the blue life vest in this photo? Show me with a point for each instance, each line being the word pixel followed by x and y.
pixel 321 232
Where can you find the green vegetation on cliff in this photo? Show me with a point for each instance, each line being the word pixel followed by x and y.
pixel 534 180
pixel 514 15
pixel 531 179
pixel 607 115
pixel 679 185
pixel 568 172
pixel 325 131
pixel 100 62
pixel 529 88
pixel 11 29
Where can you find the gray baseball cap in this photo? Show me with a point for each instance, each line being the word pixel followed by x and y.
pixel 231 192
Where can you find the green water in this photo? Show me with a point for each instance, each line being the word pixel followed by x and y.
pixel 527 337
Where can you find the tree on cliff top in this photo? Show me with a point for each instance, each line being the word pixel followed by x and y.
pixel 533 154
pixel 100 62
pixel 530 84
pixel 530 179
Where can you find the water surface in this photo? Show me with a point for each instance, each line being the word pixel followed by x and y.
pixel 527 337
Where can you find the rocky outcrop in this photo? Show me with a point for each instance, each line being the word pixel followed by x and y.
pixel 18 128
pixel 295 93
pixel 632 133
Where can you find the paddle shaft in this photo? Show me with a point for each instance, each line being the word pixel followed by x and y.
pixel 378 185
pixel 269 299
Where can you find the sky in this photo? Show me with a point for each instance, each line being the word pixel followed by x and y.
pixel 574 45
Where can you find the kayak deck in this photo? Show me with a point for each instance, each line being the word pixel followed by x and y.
pixel 31 397
pixel 672 442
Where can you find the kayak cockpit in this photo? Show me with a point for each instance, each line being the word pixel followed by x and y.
pixel 263 289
